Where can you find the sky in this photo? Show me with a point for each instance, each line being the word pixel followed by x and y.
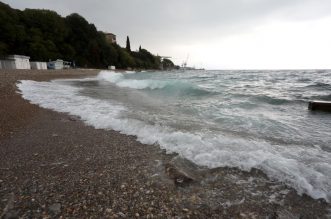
pixel 213 34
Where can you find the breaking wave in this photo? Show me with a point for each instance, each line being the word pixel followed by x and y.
pixel 307 169
pixel 169 86
pixel 320 85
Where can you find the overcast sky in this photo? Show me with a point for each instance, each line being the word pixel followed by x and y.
pixel 215 34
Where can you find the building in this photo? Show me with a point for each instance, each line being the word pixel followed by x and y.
pixel 38 65
pixel 66 65
pixel 15 62
pixel 57 64
pixel 111 67
pixel 111 38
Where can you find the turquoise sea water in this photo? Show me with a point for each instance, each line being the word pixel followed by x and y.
pixel 241 119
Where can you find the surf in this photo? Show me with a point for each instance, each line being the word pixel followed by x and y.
pixel 299 160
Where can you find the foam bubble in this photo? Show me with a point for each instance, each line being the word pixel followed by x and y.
pixel 110 76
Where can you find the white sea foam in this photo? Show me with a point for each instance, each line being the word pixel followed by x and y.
pixel 142 84
pixel 130 72
pixel 305 169
pixel 110 76
pixel 119 80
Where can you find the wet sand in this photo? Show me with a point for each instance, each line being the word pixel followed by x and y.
pixel 53 165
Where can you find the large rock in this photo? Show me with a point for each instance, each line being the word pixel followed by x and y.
pixel 319 105
pixel 182 171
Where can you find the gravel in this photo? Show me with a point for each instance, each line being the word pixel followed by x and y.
pixel 52 165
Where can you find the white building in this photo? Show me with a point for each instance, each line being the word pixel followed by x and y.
pixel 38 65
pixel 110 37
pixel 15 62
pixel 58 64
pixel 66 65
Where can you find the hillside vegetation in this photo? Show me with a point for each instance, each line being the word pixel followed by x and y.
pixel 44 35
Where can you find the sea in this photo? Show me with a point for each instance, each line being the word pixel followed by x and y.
pixel 223 118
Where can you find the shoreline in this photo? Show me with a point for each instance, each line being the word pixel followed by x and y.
pixel 55 165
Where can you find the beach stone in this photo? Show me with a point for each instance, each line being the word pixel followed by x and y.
pixel 73 118
pixel 182 171
pixel 285 214
pixel 55 208
pixel 121 214
pixel 272 215
pixel 8 211
pixel 10 215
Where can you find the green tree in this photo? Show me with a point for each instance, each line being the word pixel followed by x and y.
pixel 3 50
pixel 128 46
pixel 125 59
pixel 168 64
pixel 44 35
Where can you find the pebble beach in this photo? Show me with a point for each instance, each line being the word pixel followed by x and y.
pixel 53 165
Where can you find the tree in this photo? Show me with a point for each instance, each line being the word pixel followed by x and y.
pixel 128 47
pixel 44 35
pixel 3 50
pixel 167 64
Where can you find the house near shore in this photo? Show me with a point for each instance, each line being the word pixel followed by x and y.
pixel 15 62
pixel 110 37
pixel 38 65
pixel 56 65
pixel 112 67
pixel 66 64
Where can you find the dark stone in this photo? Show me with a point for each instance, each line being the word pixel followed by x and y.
pixel 182 171
pixel 319 105
pixel 55 208
pixel 11 215
pixel 273 215
pixel 73 118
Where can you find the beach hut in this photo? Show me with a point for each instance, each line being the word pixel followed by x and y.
pixel 7 64
pixel 15 62
pixel 38 65
pixel 57 64
pixel 66 64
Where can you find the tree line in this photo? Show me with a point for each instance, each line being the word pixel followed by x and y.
pixel 45 35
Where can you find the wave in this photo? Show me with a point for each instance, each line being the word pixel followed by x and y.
pixel 169 86
pixel 320 85
pixel 305 80
pixel 272 100
pixel 110 76
pixel 305 169
pixel 326 97
pixel 130 72
pixel 256 99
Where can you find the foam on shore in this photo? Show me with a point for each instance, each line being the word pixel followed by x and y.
pixel 305 169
